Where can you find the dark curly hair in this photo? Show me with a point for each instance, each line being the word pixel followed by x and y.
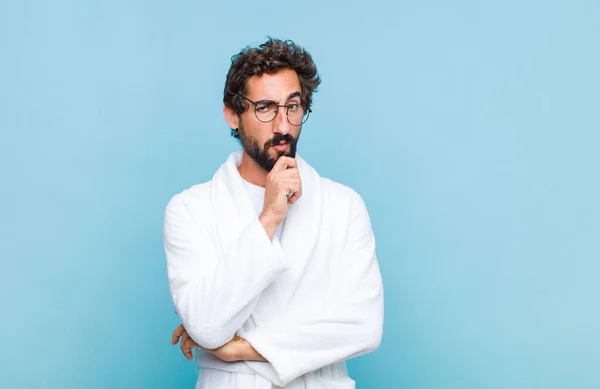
pixel 269 57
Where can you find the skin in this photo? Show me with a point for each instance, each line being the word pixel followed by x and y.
pixel 282 184
pixel 237 349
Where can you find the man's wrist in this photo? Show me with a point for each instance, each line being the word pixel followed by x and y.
pixel 269 224
pixel 248 353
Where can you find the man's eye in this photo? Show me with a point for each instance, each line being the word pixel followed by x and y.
pixel 293 107
pixel 263 108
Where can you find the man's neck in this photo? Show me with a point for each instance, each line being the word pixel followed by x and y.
pixel 252 172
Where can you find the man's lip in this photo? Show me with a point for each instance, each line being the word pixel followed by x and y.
pixel 280 146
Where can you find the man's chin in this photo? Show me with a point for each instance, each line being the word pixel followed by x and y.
pixel 277 154
pixel 274 154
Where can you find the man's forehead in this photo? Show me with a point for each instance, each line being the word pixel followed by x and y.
pixel 273 86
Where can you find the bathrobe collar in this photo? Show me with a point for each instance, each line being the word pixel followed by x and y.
pixel 232 202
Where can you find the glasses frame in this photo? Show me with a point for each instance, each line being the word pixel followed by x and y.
pixel 307 112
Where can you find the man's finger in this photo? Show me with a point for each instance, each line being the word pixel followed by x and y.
pixel 187 347
pixel 177 333
pixel 284 163
pixel 184 349
pixel 185 336
pixel 293 198
pixel 289 173
pixel 294 189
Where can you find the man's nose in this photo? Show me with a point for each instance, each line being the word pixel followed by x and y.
pixel 280 123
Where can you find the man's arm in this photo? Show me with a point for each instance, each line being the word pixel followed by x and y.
pixel 215 296
pixel 237 349
pixel 346 324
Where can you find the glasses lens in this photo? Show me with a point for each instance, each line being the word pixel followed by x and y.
pixel 265 112
pixel 296 114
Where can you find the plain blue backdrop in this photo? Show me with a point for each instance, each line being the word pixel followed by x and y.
pixel 471 129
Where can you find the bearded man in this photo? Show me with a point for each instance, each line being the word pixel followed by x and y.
pixel 271 267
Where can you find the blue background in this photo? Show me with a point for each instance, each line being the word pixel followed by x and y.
pixel 471 129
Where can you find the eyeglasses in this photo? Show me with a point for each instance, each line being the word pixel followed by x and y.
pixel 266 110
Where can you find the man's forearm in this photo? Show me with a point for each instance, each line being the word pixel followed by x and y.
pixel 236 350
pixel 248 353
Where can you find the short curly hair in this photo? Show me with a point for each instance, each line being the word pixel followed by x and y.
pixel 269 57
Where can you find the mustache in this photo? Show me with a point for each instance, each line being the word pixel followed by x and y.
pixel 275 140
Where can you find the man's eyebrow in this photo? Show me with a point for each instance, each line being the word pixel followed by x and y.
pixel 292 95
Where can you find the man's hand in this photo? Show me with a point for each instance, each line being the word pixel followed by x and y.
pixel 237 349
pixel 187 343
pixel 283 180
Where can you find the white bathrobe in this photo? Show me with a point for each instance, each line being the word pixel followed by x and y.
pixel 307 303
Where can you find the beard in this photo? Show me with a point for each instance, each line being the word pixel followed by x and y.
pixel 261 155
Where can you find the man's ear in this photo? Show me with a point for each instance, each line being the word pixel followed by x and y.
pixel 231 117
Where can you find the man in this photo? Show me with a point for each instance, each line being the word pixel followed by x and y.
pixel 272 268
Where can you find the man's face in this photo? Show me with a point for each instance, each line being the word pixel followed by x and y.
pixel 266 142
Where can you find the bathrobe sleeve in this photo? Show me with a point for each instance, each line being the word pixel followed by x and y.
pixel 214 296
pixel 345 324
